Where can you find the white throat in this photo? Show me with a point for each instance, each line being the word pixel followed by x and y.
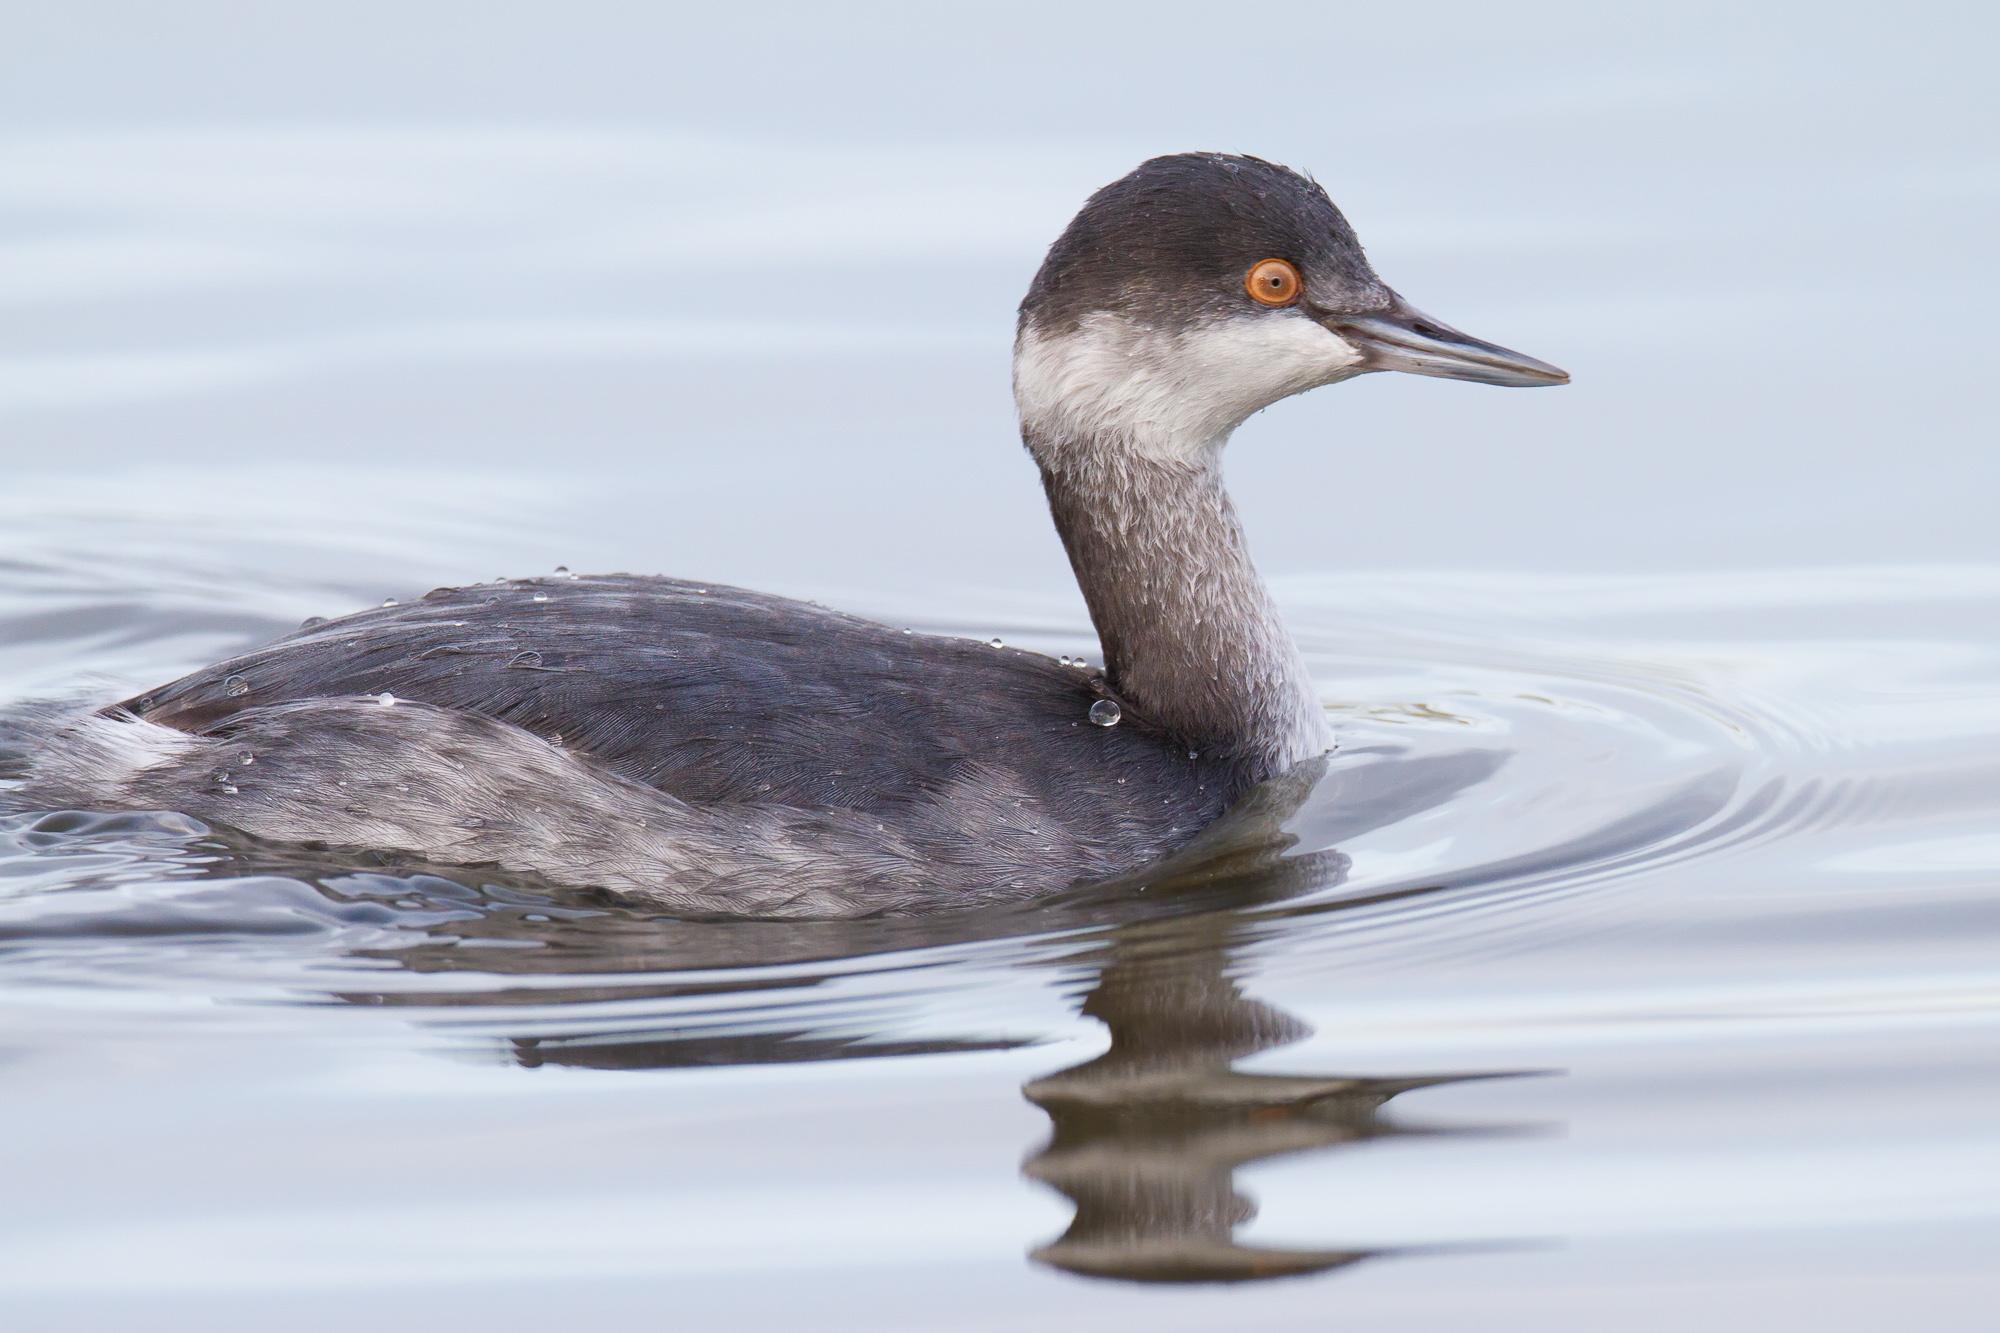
pixel 1168 396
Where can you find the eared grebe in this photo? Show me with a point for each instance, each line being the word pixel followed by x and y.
pixel 706 750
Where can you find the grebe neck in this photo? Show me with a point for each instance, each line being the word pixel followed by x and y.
pixel 1190 635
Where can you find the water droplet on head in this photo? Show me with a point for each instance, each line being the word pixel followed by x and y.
pixel 562 569
pixel 310 621
pixel 1106 712
pixel 234 685
pixel 994 643
pixel 385 698
pixel 527 659
pixel 541 597
pixel 388 601
pixel 229 791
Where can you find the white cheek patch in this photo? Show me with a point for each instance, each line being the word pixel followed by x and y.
pixel 1170 395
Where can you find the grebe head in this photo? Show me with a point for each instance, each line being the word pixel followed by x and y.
pixel 1201 288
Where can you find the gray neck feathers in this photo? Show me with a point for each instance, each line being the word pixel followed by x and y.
pixel 1190 635
pixel 1128 421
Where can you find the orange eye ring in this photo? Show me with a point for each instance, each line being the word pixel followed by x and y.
pixel 1273 282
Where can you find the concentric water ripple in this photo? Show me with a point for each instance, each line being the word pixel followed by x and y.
pixel 1489 795
pixel 1568 822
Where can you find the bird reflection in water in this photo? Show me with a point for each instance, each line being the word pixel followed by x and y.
pixel 1145 1139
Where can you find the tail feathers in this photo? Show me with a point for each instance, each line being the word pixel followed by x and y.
pixel 26 728
pixel 70 756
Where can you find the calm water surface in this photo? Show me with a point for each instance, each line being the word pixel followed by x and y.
pixel 1639 927
pixel 1632 963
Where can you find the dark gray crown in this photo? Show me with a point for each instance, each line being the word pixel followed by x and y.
pixel 1170 243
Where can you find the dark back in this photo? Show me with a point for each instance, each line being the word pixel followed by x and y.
pixel 720 695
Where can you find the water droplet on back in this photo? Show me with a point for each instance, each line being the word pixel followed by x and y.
pixel 385 698
pixel 994 643
pixel 388 601
pixel 1106 712
pixel 527 659
pixel 235 685
pixel 562 569
pixel 541 597
pixel 310 621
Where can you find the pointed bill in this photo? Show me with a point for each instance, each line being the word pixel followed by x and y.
pixel 1405 338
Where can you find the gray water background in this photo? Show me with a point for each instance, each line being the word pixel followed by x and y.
pixel 310 307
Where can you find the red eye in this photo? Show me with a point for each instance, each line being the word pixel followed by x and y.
pixel 1274 282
